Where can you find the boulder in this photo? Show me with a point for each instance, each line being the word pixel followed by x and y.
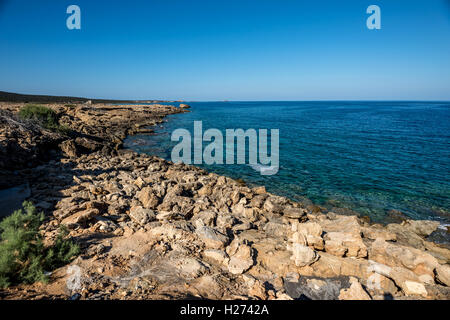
pixel 211 238
pixel 348 224
pixel 139 182
pixel 259 190
pixel 443 274
pixel 355 292
pixel 373 233
pixel 414 288
pixel 344 243
pixel 294 213
pixel 395 255
pixel 206 287
pixel 148 199
pixel 273 205
pixel 312 232
pixel 422 228
pixel 315 288
pixel 329 265
pixel 208 218
pixel 205 191
pixel 80 217
pixel 190 267
pixel 241 256
pixel 258 201
pixel 142 215
pixel 69 148
pixel 215 255
pixel 277 230
pixel 303 255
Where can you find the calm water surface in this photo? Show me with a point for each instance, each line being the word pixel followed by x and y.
pixel 370 157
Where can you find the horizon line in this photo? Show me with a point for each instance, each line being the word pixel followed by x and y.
pixel 225 100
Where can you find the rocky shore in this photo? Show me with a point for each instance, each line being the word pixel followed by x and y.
pixel 151 229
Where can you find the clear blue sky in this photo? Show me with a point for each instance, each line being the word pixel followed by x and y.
pixel 227 49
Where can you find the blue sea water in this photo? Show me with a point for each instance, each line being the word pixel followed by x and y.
pixel 370 157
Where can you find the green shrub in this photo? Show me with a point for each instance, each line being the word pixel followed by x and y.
pixel 45 116
pixel 23 256
pixel 62 251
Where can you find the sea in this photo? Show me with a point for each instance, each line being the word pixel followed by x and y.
pixel 371 158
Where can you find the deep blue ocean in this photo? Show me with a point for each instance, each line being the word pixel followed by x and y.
pixel 370 157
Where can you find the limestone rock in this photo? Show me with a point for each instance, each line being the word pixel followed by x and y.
pixel 139 182
pixel 207 287
pixel 344 243
pixel 241 256
pixel 348 224
pixel 255 288
pixel 422 227
pixel 406 236
pixel 443 274
pixel 69 148
pixel 190 267
pixel 211 238
pixel 294 213
pixel 394 255
pixel 312 232
pixel 414 288
pixel 148 199
pixel 215 255
pixel 80 217
pixel 259 190
pixel 374 233
pixel 315 288
pixel 274 229
pixel 355 292
pixel 142 215
pixel 273 204
pixel 208 218
pixel 309 228
pixel 407 280
pixel 303 255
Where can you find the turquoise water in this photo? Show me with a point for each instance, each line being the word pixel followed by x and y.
pixel 370 157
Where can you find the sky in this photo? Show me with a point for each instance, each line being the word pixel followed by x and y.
pixel 208 50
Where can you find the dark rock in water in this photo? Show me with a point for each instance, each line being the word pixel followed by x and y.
pixel 314 288
pixel 441 236
pixel 395 216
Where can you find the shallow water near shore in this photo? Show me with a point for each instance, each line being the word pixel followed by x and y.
pixel 369 157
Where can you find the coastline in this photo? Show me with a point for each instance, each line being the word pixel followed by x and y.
pixel 144 222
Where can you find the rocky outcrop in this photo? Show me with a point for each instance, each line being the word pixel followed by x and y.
pixel 87 128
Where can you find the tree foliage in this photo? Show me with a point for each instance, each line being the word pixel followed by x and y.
pixel 23 256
